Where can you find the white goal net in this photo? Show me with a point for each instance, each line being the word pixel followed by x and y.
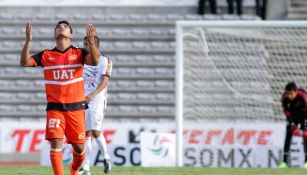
pixel 237 70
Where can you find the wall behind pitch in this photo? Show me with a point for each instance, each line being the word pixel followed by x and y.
pixel 110 2
pixel 205 144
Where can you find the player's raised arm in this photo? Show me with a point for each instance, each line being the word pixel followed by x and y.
pixel 94 52
pixel 25 60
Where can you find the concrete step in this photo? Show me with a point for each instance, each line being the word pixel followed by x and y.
pixel 297 9
pixel 298 3
pixel 295 16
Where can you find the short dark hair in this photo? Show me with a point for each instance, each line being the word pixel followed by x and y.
pixel 63 22
pixel 97 40
pixel 291 86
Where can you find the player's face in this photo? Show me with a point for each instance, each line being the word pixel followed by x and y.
pixel 291 95
pixel 85 45
pixel 62 30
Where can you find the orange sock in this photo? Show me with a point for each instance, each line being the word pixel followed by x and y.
pixel 57 162
pixel 77 160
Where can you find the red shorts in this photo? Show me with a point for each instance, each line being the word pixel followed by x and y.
pixel 68 123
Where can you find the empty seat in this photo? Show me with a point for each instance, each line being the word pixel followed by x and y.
pixel 164 58
pixel 7 108
pixel 144 84
pixel 171 32
pixel 6 16
pixel 7 96
pixel 23 83
pixel 137 17
pixel 6 83
pixel 193 17
pixel 159 45
pixel 174 17
pixel 144 71
pixel 34 72
pixel 126 108
pixel 125 84
pixel 40 96
pixel 125 96
pixel 158 32
pixel 165 109
pixel 140 45
pixel 143 58
pixel 147 109
pixel 40 108
pixel 80 17
pixel 121 45
pixel 26 108
pixel 46 45
pixel 44 32
pixel 165 71
pixel 39 83
pixel 123 71
pixel 118 17
pixel 99 17
pixel 10 44
pixel 42 17
pixel 139 32
pixel 164 84
pixel 112 109
pixel 146 96
pixel 102 32
pixel 25 96
pixel 121 32
pixel 122 58
pixel 155 17
pixel 7 31
pixel 165 96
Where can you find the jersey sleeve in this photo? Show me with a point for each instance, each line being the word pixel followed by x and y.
pixel 37 59
pixel 285 107
pixel 303 94
pixel 84 54
pixel 106 66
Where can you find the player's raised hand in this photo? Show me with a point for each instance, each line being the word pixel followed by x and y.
pixel 90 33
pixel 29 31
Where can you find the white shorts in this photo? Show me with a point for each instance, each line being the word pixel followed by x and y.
pixel 94 115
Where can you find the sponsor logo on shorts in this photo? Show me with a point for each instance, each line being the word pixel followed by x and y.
pixel 81 136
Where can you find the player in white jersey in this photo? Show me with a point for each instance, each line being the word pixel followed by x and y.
pixel 96 79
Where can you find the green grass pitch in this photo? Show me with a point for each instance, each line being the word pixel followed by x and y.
pixel 38 170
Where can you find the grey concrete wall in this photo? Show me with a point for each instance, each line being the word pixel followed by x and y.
pixel 277 9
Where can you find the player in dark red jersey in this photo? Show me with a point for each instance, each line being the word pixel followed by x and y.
pixel 63 73
pixel 294 103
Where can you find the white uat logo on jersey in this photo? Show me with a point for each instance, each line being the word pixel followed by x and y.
pixel 63 74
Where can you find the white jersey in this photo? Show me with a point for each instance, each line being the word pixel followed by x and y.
pixel 92 76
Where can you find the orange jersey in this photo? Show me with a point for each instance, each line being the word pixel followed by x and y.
pixel 63 73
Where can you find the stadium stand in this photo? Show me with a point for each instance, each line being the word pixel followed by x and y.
pixel 297 10
pixel 141 47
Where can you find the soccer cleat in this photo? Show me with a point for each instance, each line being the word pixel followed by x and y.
pixel 84 172
pixel 283 165
pixel 72 171
pixel 305 165
pixel 107 166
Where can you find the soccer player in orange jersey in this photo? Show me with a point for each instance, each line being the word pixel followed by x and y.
pixel 63 73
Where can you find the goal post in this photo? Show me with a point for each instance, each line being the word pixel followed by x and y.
pixel 235 70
